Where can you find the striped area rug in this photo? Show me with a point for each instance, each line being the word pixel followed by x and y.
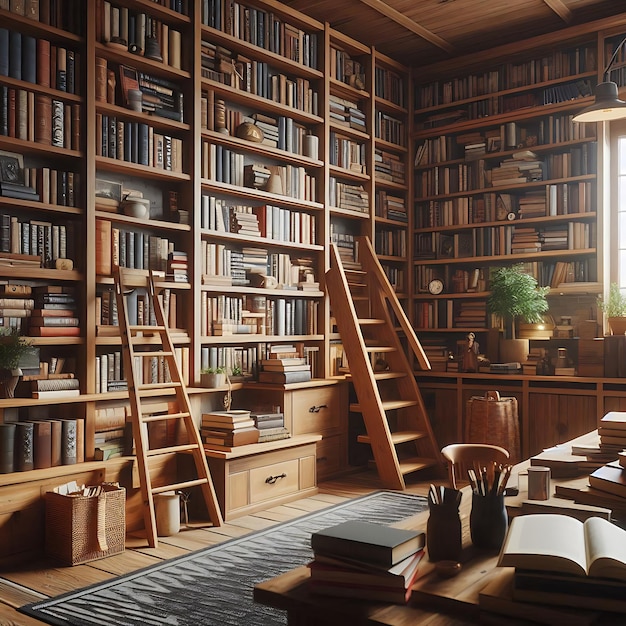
pixel 213 586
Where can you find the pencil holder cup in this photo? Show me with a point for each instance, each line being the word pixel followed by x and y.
pixel 488 521
pixel 443 532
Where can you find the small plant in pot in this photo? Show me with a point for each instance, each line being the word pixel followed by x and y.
pixel 614 307
pixel 213 377
pixel 516 295
pixel 13 347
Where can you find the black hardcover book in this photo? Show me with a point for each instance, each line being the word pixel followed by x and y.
pixel 7 447
pixel 15 54
pixel 143 144
pixel 4 52
pixel 29 59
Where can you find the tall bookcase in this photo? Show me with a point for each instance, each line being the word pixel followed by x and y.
pixel 504 176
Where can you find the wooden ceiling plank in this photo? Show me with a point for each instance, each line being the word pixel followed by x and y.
pixel 409 24
pixel 561 10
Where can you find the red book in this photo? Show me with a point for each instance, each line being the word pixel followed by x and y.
pixel 54 331
pixel 43 62
pixel 43 119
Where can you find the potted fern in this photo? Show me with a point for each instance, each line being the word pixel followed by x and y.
pixel 614 307
pixel 515 295
pixel 13 347
pixel 212 377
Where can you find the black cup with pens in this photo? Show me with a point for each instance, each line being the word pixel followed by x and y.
pixel 443 529
pixel 489 519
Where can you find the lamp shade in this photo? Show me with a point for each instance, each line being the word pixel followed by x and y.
pixel 607 106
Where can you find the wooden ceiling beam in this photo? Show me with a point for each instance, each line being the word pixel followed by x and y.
pixel 561 10
pixel 409 24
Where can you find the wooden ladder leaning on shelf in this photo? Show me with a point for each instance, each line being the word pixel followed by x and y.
pixel 367 313
pixel 154 342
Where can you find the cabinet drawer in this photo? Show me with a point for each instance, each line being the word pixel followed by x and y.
pixel 275 480
pixel 316 410
pixel 330 459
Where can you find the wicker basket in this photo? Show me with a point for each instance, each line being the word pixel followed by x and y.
pixel 494 420
pixel 83 528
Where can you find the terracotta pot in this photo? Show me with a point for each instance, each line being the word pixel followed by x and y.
pixel 617 325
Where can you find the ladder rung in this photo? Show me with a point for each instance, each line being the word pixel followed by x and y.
pixel 370 321
pixel 415 464
pixel 179 486
pixel 152 386
pixel 164 416
pixel 389 375
pixel 380 348
pixel 401 436
pixel 151 354
pixel 388 405
pixel 144 328
pixel 186 447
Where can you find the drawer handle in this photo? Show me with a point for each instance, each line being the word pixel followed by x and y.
pixel 317 408
pixel 270 480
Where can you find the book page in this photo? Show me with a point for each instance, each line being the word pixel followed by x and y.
pixel 606 548
pixel 548 542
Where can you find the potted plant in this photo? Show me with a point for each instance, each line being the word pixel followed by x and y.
pixel 213 377
pixel 12 347
pixel 515 295
pixel 615 309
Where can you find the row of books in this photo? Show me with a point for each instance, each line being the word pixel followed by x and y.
pixel 508 76
pixel 131 30
pixel 39 118
pixel 261 28
pixel 28 445
pixel 36 60
pixel 272 222
pixel 62 14
pixel 137 142
pixel 280 316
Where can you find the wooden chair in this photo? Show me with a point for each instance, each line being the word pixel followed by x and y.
pixel 461 456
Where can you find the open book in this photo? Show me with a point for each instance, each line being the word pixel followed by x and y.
pixel 558 543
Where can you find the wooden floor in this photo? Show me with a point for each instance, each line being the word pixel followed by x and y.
pixel 34 581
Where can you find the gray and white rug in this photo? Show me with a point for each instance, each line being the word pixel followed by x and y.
pixel 213 586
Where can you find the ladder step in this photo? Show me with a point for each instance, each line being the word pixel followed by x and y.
pixel 370 321
pixel 389 375
pixel 401 436
pixel 415 464
pixel 179 486
pixel 388 405
pixel 155 353
pixel 145 328
pixel 157 386
pixel 380 349
pixel 186 447
pixel 164 416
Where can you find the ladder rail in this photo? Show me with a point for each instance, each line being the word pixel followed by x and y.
pixel 132 335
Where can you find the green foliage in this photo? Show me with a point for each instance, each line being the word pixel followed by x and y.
pixel 516 295
pixel 236 370
pixel 213 370
pixel 12 347
pixel 615 306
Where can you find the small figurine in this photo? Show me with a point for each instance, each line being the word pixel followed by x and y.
pixel 470 356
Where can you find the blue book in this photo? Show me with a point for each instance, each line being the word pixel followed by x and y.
pixel 15 55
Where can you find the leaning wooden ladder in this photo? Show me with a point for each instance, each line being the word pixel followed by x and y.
pixel 367 313
pixel 147 341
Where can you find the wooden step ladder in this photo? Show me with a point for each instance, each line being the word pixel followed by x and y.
pixel 153 341
pixel 367 314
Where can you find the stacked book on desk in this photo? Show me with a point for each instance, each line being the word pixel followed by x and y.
pixel 285 364
pixel 271 426
pixel 562 562
pixel 361 560
pixel 223 430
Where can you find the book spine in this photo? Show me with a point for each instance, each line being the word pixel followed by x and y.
pixel 68 441
pixel 7 447
pixel 24 460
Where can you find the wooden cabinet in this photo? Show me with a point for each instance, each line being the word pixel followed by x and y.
pixel 317 408
pixel 258 476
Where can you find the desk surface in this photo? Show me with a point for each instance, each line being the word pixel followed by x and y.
pixel 435 600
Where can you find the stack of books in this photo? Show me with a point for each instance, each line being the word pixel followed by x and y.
pixel 562 561
pixel 271 426
pixel 55 313
pixel 357 559
pixel 284 365
pixel 177 267
pixel 612 431
pixel 227 429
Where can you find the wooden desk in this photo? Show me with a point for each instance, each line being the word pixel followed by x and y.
pixel 435 600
